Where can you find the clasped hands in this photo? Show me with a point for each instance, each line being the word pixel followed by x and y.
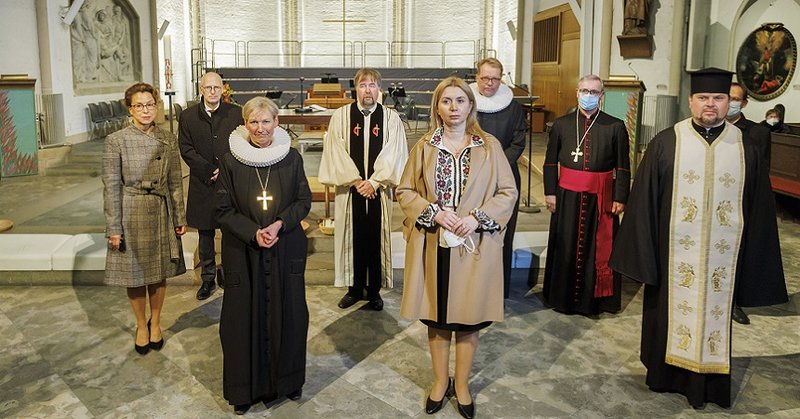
pixel 457 225
pixel 268 236
pixel 365 189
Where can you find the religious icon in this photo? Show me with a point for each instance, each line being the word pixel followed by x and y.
pixel 687 274
pixel 357 130
pixel 713 342
pixel 685 337
pixel 766 61
pixel 690 207
pixel 724 210
pixel 720 274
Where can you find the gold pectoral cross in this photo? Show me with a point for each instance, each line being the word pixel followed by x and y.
pixel 577 153
pixel 264 198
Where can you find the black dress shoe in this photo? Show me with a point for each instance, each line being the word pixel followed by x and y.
pixel 206 290
pixel 739 316
pixel 432 407
pixel 467 411
pixel 156 346
pixel 347 301
pixel 141 350
pixel 295 395
pixel 241 409
pixel 376 304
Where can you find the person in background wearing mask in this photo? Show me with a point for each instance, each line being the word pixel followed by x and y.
pixel 765 214
pixel 585 195
pixel 772 120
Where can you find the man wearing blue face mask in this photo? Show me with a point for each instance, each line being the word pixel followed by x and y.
pixel 586 183
pixel 766 217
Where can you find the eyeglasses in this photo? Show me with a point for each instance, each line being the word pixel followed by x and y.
pixel 212 89
pixel 489 79
pixel 590 92
pixel 141 106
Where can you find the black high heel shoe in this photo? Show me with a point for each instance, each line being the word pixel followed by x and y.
pixel 144 349
pixel 431 406
pixel 156 346
pixel 467 411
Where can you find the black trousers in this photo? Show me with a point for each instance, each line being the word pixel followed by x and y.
pixel 205 247
pixel 367 273
pixel 508 247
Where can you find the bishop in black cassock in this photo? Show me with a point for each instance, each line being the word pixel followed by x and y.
pixel 688 235
pixel 586 146
pixel 264 321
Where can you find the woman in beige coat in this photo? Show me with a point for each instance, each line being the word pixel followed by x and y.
pixel 457 192
pixel 143 203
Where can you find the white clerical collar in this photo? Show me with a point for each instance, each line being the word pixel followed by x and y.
pixel 493 104
pixel 371 110
pixel 243 150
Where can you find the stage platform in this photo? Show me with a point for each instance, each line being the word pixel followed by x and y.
pixel 247 83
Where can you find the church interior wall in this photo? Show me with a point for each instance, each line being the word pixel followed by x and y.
pixel 19 21
pixel 179 33
pixel 739 24
pixel 19 47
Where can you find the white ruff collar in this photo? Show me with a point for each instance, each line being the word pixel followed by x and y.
pixel 243 150
pixel 493 104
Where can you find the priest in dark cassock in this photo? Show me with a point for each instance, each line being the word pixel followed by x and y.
pixel 501 116
pixel 766 213
pixel 262 195
pixel 688 235
pixel 363 156
pixel 586 183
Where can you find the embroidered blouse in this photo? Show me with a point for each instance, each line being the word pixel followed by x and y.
pixel 451 174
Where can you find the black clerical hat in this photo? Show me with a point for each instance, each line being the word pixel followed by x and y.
pixel 711 80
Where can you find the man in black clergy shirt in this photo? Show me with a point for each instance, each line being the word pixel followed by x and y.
pixel 761 137
pixel 203 137
pixel 690 234
pixel 501 116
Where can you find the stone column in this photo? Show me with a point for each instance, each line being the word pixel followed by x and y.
pixel 289 33
pixel 399 31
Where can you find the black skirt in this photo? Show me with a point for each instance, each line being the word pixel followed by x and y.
pixel 442 287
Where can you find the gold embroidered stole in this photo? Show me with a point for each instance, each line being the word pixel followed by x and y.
pixel 705 233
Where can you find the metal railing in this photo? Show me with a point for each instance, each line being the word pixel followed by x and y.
pixel 217 53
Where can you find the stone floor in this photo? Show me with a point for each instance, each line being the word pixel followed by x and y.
pixel 67 351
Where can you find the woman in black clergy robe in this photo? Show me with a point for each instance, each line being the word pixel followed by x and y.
pixel 262 195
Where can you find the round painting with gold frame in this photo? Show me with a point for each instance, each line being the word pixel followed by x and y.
pixel 766 61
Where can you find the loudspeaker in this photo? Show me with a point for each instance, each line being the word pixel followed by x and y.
pixel 163 28
pixel 512 30
pixel 69 17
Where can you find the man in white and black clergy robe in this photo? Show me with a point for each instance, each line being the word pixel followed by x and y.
pixel 688 236
pixel 586 183
pixel 364 153
pixel 501 116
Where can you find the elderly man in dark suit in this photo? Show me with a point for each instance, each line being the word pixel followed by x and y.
pixel 205 129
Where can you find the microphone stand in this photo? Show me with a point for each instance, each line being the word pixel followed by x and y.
pixel 302 108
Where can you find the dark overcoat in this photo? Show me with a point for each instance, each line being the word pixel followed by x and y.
pixel 203 141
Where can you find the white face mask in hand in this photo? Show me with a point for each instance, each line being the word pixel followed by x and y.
pixel 454 240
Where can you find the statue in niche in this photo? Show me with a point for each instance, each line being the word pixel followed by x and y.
pixel 104 46
pixel 636 17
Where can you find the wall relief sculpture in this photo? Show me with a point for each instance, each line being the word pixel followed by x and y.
pixel 766 61
pixel 106 54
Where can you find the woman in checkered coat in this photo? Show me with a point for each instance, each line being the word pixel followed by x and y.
pixel 144 213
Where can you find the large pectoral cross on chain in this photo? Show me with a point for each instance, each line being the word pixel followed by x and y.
pixel 264 198
pixel 577 153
